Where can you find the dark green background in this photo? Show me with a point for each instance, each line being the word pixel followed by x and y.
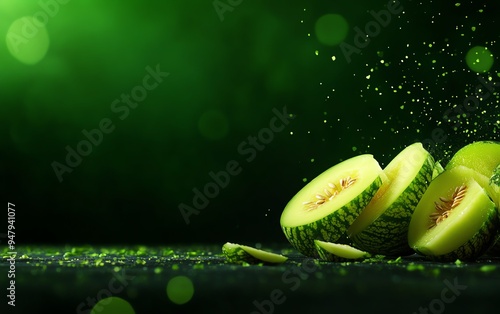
pixel 258 58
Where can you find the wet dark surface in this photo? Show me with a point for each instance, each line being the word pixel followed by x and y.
pixel 68 279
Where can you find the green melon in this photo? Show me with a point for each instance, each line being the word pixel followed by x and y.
pixel 327 206
pixel 467 229
pixel 482 157
pixel 382 227
pixel 336 252
pixel 237 253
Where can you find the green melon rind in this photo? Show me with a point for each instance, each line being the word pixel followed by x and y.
pixel 494 191
pixel 388 234
pixel 476 246
pixel 334 252
pixel 438 169
pixel 333 227
pixel 494 187
pixel 237 253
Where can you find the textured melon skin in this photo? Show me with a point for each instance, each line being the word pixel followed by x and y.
pixel 388 234
pixel 476 246
pixel 494 190
pixel 494 186
pixel 330 228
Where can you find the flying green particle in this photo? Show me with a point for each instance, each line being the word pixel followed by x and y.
pixel 180 289
pixel 175 267
pixel 436 272
pixel 112 305
pixel 487 268
pixel 479 59
pixel 331 29
pixel 413 267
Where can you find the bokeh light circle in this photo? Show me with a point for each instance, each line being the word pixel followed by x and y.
pixel 27 40
pixel 180 289
pixel 331 29
pixel 112 305
pixel 213 125
pixel 479 59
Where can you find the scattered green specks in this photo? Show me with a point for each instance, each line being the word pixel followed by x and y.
pixel 487 268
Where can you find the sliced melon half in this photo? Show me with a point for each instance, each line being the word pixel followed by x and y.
pixel 382 227
pixel 455 219
pixel 327 206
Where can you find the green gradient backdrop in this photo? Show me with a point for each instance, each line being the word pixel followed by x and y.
pixel 225 79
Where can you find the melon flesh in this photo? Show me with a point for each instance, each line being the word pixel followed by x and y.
pixel 462 224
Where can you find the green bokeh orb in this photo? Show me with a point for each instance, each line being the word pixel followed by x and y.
pixel 213 125
pixel 479 59
pixel 180 289
pixel 112 305
pixel 331 29
pixel 27 40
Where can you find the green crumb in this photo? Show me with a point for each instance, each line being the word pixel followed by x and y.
pixel 374 259
pixel 116 269
pixel 99 262
pixel 487 268
pixel 167 252
pixel 395 261
pixel 413 267
pixel 436 272
pixel 175 267
pixel 458 262
pixel 343 271
pixel 67 255
pixel 140 262
pixel 158 270
pixel 198 266
pixel 245 264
